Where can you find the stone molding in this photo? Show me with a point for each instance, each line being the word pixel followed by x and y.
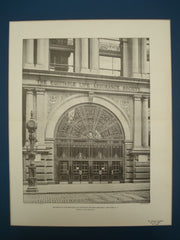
pixel 78 99
pixel 40 91
pixel 29 90
pixel 137 97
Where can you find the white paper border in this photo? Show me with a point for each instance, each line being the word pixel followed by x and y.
pixel 160 207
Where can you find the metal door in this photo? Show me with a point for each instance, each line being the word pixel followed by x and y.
pixel 80 171
pixel 100 171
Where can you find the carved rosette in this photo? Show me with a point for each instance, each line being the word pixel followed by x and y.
pixel 55 99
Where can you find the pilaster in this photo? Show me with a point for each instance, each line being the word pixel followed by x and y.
pixel 135 58
pixel 137 121
pixel 84 55
pixel 77 55
pixel 42 54
pixel 125 58
pixel 94 55
pixel 40 115
pixel 28 53
pixel 145 121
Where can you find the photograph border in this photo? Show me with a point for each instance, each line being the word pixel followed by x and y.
pixel 157 72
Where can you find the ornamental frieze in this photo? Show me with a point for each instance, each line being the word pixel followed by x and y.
pixel 110 46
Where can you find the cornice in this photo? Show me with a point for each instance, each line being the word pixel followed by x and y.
pixel 39 74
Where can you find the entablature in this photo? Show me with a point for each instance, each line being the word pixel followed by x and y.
pixel 85 82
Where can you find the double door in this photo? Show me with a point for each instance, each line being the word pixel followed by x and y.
pixel 100 171
pixel 90 171
pixel 80 171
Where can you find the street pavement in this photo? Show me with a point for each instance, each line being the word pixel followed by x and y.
pixel 90 193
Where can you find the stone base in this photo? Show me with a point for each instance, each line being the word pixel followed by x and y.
pixel 141 180
pixel 142 150
pixel 142 158
pixel 127 181
pixel 32 189
pixel 94 71
pixel 85 70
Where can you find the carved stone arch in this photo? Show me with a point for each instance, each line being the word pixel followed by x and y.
pixel 79 99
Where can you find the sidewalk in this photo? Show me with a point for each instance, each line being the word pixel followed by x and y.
pixel 90 188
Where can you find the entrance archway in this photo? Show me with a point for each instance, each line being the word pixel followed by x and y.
pixel 89 145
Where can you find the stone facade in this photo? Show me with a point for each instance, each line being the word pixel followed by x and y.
pixel 49 94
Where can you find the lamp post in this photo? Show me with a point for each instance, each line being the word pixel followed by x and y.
pixel 31 145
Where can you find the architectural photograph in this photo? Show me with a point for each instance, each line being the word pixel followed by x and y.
pixel 86 120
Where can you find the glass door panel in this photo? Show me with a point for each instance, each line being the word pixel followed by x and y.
pixel 95 171
pixel 80 171
pixel 100 171
pixel 104 169
pixel 75 171
pixel 116 170
pixel 85 171
pixel 63 171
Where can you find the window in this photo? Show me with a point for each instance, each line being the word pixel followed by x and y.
pixel 35 51
pixel 110 65
pixel 148 53
pixel 62 55
pixel 110 56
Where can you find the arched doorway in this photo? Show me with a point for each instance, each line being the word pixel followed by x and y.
pixel 89 145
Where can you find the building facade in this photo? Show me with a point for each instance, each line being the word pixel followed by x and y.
pixel 91 100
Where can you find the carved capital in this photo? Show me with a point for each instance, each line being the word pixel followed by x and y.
pixel 145 97
pixel 29 90
pixel 125 40
pixel 40 91
pixel 137 97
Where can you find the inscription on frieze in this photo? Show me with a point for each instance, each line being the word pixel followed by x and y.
pixel 96 85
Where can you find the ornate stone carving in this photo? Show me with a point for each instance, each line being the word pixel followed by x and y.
pixel 123 102
pixel 55 99
pixel 110 46
pixel 51 101
pixel 91 95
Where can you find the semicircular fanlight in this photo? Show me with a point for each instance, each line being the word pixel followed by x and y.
pixel 89 121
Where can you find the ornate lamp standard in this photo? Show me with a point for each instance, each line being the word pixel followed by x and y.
pixel 31 146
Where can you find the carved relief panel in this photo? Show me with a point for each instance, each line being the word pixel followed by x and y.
pixel 55 98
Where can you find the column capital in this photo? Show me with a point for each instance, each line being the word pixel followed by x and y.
pixel 29 89
pixel 124 40
pixel 40 91
pixel 145 97
pixel 137 97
